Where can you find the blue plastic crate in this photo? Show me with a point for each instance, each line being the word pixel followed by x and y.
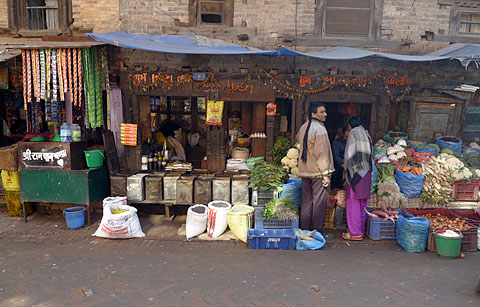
pixel 271 238
pixel 262 223
pixel 379 229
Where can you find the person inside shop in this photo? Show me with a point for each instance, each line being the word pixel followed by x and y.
pixel 315 166
pixel 358 165
pixel 169 132
pixel 338 150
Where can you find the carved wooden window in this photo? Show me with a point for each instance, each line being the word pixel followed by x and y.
pixel 211 12
pixel 348 17
pixel 39 17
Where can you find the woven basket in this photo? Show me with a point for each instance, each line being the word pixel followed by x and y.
pixel 240 153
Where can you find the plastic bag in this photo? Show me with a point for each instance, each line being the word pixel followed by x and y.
pixel 239 220
pixel 236 164
pixel 196 223
pixel 412 233
pixel 374 180
pixel 410 185
pixel 11 181
pixel 122 200
pixel 214 113
pixel 217 217
pixel 119 222
pixel 451 142
pixel 303 245
pixel 293 190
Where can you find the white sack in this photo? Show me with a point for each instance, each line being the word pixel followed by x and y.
pixel 217 217
pixel 197 217
pixel 121 225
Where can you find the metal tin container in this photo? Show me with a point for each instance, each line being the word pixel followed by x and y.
pixel 240 190
pixel 203 189
pixel 154 187
pixel 221 189
pixel 170 187
pixel 136 187
pixel 118 185
pixel 185 189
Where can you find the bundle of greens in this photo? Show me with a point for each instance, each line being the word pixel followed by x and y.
pixel 279 149
pixel 265 176
pixel 281 208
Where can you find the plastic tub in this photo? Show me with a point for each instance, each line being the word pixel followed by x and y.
pixel 75 217
pixel 448 247
pixel 94 158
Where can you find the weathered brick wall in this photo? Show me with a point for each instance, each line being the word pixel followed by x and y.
pixel 407 20
pixel 3 14
pixel 98 16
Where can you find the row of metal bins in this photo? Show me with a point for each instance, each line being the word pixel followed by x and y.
pixel 184 189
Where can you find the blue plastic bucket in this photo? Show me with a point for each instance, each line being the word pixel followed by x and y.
pixel 75 217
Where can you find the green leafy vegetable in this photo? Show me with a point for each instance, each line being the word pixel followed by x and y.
pixel 266 176
pixel 279 149
pixel 281 208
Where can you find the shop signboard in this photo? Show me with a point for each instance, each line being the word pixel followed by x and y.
pixel 51 155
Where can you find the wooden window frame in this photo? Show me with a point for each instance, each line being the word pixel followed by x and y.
pixel 195 19
pixel 18 23
pixel 374 27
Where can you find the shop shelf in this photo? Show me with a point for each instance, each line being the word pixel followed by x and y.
pixel 261 198
pixel 271 238
pixel 262 223
pixel 466 190
pixel 340 218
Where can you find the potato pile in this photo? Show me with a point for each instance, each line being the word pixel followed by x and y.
pixel 445 223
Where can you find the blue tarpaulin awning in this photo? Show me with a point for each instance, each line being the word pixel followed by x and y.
pixel 186 44
pixel 198 44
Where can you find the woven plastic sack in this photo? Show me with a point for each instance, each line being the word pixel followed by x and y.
pixel 11 181
pixel 455 146
pixel 303 245
pixel 427 148
pixel 196 223
pixel 119 222
pixel 239 220
pixel 412 233
pixel 410 185
pixel 293 190
pixel 217 217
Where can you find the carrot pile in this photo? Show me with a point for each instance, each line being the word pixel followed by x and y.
pixel 411 170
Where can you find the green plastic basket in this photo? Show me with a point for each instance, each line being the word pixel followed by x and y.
pixel 448 247
pixel 94 158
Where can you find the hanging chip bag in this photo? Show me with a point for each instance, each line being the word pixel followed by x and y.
pixel 214 113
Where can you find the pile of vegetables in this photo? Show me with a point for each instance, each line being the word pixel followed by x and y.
pixel 411 170
pixel 280 208
pixel 290 161
pixel 409 161
pixel 445 223
pixel 384 214
pixel 265 176
pixel 389 195
pixel 279 149
pixel 438 181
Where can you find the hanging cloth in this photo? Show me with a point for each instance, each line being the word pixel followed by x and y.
pixel 75 77
pixel 80 77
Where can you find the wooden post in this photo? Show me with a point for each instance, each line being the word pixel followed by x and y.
pixel 258 123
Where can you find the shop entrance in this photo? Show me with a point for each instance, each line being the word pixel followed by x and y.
pixel 338 115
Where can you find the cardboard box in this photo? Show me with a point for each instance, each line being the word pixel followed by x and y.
pixel 8 158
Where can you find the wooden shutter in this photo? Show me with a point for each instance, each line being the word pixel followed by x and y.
pixel 348 17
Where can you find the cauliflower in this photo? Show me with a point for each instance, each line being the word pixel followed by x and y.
pixel 393 157
pixel 401 154
pixel 462 173
pixel 292 163
pixel 454 162
pixel 477 171
pixel 286 167
pixel 292 153
pixel 294 171
pixel 285 161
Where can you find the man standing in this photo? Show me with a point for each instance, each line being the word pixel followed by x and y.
pixel 338 150
pixel 315 165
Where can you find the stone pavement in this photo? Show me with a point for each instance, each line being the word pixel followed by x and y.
pixel 42 263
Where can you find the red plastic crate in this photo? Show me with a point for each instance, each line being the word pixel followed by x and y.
pixel 470 237
pixel 468 215
pixel 466 190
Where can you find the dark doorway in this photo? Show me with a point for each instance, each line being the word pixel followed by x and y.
pixel 338 115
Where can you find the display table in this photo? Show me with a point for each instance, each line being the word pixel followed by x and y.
pixel 81 187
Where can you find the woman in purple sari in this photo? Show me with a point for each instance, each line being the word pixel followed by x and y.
pixel 358 174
